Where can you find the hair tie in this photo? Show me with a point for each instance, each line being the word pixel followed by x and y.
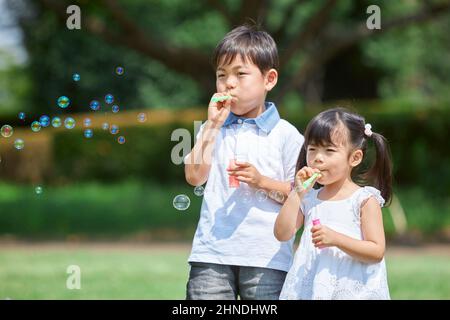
pixel 368 130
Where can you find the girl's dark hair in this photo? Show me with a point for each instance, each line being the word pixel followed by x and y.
pixel 320 130
pixel 249 42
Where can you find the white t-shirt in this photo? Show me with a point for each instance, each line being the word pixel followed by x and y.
pixel 236 224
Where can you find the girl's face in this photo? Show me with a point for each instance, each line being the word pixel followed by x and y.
pixel 243 80
pixel 335 160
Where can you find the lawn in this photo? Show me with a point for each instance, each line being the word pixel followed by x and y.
pixel 160 272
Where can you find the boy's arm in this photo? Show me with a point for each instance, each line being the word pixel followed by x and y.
pixel 198 162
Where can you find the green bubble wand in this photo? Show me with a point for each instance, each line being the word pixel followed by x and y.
pixel 220 99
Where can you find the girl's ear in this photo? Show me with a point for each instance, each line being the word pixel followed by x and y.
pixel 271 79
pixel 356 158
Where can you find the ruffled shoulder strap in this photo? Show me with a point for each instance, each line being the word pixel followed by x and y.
pixel 365 193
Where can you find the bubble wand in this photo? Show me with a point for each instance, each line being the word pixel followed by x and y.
pixel 220 99
pixel 311 179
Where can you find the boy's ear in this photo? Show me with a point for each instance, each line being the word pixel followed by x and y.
pixel 356 157
pixel 270 79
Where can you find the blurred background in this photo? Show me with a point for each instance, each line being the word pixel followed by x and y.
pixel 76 189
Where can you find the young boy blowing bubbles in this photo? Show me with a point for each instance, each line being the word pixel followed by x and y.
pixel 234 251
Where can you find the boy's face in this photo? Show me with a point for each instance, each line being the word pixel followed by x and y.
pixel 243 80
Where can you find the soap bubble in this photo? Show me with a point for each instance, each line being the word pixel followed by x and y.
pixel 94 105
pixel 69 123
pixel 277 195
pixel 121 140
pixel 35 126
pixel 87 122
pixel 181 202
pixel 19 144
pixel 142 117
pixel 119 71
pixel 88 133
pixel 105 126
pixel 114 129
pixel 44 121
pixel 261 195
pixel 115 108
pixel 246 196
pixel 109 98
pixel 76 77
pixel 199 191
pixel 63 102
pixel 38 190
pixel 56 122
pixel 22 115
pixel 7 131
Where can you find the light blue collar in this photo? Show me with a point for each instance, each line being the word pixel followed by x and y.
pixel 266 121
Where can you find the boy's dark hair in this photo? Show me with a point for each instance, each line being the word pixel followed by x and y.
pixel 319 132
pixel 250 43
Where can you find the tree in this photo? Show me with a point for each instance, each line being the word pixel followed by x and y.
pixel 310 34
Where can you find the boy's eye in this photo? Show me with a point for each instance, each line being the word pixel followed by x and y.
pixel 220 75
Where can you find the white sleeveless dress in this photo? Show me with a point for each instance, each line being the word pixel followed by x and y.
pixel 330 273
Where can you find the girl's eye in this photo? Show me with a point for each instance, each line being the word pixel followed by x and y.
pixel 242 73
pixel 331 150
pixel 311 149
pixel 220 76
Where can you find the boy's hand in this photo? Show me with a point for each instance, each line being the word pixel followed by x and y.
pixel 323 236
pixel 218 111
pixel 302 175
pixel 247 173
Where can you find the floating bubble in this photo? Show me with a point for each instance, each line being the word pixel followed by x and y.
pixel 115 108
pixel 44 121
pixel 7 131
pixel 105 126
pixel 181 202
pixel 22 115
pixel 35 126
pixel 56 122
pixel 94 105
pixel 114 129
pixel 246 196
pixel 121 139
pixel 63 102
pixel 109 98
pixel 277 195
pixel 69 123
pixel 142 117
pixel 261 195
pixel 88 133
pixel 119 71
pixel 199 191
pixel 19 144
pixel 76 77
pixel 87 122
pixel 38 190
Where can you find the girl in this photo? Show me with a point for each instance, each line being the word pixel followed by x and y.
pixel 342 256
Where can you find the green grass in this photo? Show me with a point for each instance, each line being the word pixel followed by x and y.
pixel 146 273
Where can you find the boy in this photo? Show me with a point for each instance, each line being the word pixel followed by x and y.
pixel 234 251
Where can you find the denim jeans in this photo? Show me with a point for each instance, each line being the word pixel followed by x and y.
pixel 210 281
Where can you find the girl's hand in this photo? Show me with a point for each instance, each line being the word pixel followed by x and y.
pixel 322 236
pixel 218 111
pixel 247 173
pixel 302 175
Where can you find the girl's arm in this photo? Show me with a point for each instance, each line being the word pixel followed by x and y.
pixel 370 249
pixel 290 218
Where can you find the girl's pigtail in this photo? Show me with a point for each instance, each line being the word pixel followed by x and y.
pixel 381 171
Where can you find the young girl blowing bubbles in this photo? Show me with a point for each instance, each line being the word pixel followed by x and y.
pixel 341 252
